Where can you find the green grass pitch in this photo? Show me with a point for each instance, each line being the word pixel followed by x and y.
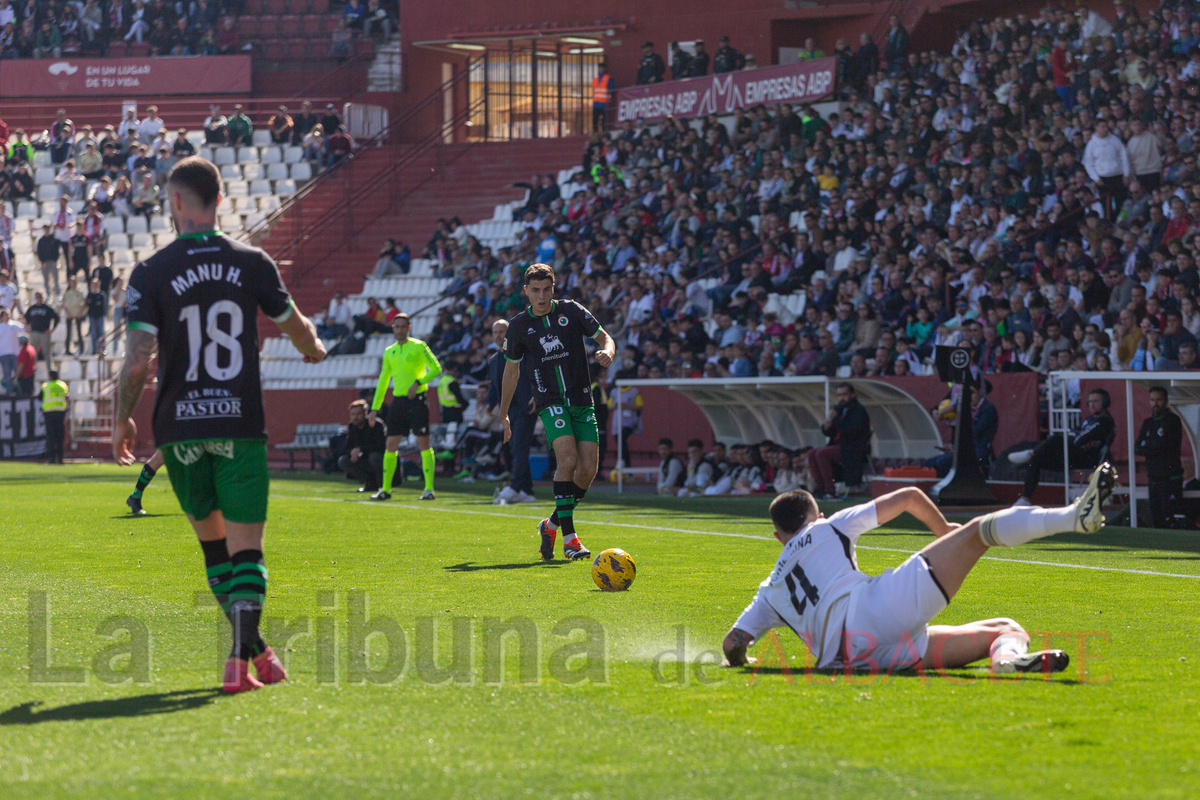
pixel 622 721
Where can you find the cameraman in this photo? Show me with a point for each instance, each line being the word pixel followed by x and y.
pixel 1160 442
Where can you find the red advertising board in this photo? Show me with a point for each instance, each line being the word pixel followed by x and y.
pixel 127 77
pixel 805 82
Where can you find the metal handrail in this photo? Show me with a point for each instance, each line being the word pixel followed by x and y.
pixel 339 168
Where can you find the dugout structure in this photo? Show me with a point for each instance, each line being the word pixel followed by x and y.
pixel 1183 395
pixel 790 411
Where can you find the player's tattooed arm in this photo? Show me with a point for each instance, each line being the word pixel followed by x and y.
pixel 735 644
pixel 139 352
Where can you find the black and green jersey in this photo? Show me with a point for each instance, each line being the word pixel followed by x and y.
pixel 554 344
pixel 200 297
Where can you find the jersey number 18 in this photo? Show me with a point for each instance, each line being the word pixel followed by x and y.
pixel 218 340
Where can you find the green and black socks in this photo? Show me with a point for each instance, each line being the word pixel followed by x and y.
pixel 567 495
pixel 143 481
pixel 247 593
pixel 220 571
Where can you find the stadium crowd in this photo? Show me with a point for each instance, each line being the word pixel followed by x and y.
pixel 1033 194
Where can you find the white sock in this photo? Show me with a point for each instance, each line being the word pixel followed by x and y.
pixel 1008 646
pixel 569 537
pixel 1021 524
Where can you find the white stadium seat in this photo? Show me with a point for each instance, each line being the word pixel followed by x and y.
pixel 44 175
pixel 47 192
pixel 260 187
pixel 302 171
pixel 237 188
pixel 278 171
pixel 224 155
pixel 247 155
pixel 231 222
pixel 285 188
pixel 122 258
pixel 231 172
pixel 293 155
pixel 268 204
pixel 41 158
pixel 118 241
pixel 252 172
pixel 206 153
pixel 136 224
pixel 142 241
pixel 271 155
pixel 261 138
pixel 114 224
pixel 159 224
pixel 226 205
pixel 26 208
pixel 254 218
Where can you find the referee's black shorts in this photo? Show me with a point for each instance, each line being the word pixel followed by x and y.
pixel 408 415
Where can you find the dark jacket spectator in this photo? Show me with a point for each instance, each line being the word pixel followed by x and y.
pixel 726 59
pixel 651 67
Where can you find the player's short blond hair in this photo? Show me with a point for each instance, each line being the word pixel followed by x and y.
pixel 538 272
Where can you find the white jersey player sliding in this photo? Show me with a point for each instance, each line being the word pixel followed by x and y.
pixel 881 622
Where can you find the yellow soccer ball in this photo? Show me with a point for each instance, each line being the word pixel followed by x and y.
pixel 946 410
pixel 613 570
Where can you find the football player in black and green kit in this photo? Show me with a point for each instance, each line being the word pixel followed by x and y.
pixel 551 332
pixel 196 301
pixel 410 365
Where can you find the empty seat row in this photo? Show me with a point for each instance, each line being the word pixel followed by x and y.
pixel 272 154
pixel 408 286
pixel 283 188
pixel 299 171
pixel 307 383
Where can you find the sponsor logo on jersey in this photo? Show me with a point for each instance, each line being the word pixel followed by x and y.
pixel 537 378
pixel 552 344
pixel 563 321
pixel 209 408
pixel 188 454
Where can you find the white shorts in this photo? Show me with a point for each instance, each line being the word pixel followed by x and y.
pixel 888 615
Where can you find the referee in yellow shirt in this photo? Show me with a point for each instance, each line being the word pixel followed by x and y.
pixel 409 365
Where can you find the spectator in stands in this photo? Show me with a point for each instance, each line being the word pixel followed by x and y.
pixel 303 123
pixel 26 366
pixel 70 182
pixel 10 348
pixel 354 13
pixel 680 62
pixel 239 129
pixel 698 67
pixel 81 254
pixel 338 147
pixel 26 39
pixel 337 318
pixel 49 41
pixel 340 41
pixel 63 223
pixel 101 195
pixel 671 474
pixel 362 456
pixel 281 126
pixel 848 427
pixel 74 310
pixel 91 21
pixel 215 126
pixel 150 127
pixel 145 199
pixel 331 119
pixel 228 38
pixel 97 311
pixel 726 59
pixel 314 145
pixel 48 251
pixel 8 40
pixel 21 184
pixel 377 18
pixel 40 322
pixel 394 259
pixel 139 28
pixel 91 164
pixel 651 67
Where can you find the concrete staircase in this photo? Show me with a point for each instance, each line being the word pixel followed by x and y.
pixel 384 73
pixel 467 181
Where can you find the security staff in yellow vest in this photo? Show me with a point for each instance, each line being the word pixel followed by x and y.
pixel 54 409
pixel 450 395
pixel 602 95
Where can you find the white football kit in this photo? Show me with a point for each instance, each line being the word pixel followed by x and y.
pixel 817 590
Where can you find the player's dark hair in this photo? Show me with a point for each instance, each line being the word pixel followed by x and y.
pixel 199 176
pixel 792 510
pixel 538 272
pixel 1160 389
pixel 53 374
pixel 1105 397
pixel 847 387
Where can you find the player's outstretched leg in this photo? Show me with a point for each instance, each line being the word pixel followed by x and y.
pixel 1018 525
pixel 585 470
pixel 134 501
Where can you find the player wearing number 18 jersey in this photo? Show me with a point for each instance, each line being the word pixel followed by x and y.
pixel 551 334
pixel 196 301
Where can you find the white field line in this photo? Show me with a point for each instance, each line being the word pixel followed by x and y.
pixel 443 510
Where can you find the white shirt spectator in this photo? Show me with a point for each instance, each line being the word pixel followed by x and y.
pixel 1095 25
pixel 9 346
pixel 64 224
pixel 150 127
pixel 6 229
pixel 641 309
pixel 8 296
pixel 1105 158
pixel 844 258
pixel 339 312
pixel 7 14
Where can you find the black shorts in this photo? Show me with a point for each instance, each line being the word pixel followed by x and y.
pixel 407 415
